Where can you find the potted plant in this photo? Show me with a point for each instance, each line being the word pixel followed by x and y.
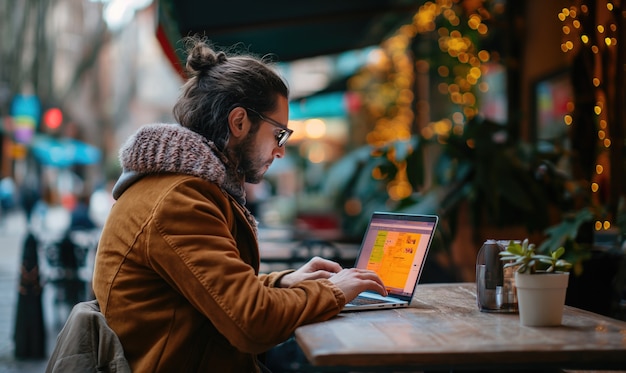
pixel 541 282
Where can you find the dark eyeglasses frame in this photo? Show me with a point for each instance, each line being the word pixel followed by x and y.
pixel 283 135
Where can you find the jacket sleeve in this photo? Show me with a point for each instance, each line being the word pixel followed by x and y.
pixel 273 279
pixel 200 258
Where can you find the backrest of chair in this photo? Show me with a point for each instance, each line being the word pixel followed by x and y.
pixel 87 344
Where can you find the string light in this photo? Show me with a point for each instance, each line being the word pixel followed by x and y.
pixel 576 38
pixel 390 101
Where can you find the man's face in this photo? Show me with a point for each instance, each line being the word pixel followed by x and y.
pixel 257 150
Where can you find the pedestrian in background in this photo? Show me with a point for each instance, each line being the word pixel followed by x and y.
pixel 30 330
pixel 177 267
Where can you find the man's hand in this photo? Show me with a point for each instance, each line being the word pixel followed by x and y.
pixel 351 281
pixel 314 269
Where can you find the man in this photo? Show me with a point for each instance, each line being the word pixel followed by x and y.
pixel 176 272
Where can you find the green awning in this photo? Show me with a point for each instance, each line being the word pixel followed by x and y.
pixel 286 29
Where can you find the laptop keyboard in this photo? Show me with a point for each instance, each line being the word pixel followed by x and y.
pixel 359 301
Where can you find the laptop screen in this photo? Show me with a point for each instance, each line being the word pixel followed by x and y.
pixel 395 247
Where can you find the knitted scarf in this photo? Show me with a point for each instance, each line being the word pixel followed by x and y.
pixel 171 148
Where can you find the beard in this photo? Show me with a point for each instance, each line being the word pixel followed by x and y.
pixel 249 162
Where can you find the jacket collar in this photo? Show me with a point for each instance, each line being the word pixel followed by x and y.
pixel 171 148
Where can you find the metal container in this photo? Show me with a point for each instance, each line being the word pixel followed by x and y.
pixel 495 285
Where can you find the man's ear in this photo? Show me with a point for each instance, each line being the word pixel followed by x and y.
pixel 238 122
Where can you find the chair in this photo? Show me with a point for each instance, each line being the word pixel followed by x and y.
pixel 87 344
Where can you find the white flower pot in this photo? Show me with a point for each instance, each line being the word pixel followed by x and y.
pixel 541 297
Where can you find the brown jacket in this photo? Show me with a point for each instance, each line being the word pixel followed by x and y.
pixel 176 273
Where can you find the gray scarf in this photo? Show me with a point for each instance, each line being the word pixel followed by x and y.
pixel 171 148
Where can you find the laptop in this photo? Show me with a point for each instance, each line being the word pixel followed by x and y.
pixel 395 246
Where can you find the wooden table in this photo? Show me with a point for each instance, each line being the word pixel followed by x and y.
pixel 444 330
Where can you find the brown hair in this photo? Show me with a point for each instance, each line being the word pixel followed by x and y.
pixel 218 83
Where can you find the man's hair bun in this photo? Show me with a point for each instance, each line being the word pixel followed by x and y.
pixel 202 58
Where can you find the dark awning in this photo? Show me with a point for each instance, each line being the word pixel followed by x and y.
pixel 290 30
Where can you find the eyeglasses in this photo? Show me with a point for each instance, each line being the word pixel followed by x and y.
pixel 283 135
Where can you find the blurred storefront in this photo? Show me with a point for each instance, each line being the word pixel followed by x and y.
pixel 101 77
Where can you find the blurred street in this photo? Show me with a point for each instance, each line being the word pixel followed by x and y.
pixel 12 232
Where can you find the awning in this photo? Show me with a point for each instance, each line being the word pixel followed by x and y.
pixel 289 30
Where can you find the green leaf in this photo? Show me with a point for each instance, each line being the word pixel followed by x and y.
pixel 558 253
